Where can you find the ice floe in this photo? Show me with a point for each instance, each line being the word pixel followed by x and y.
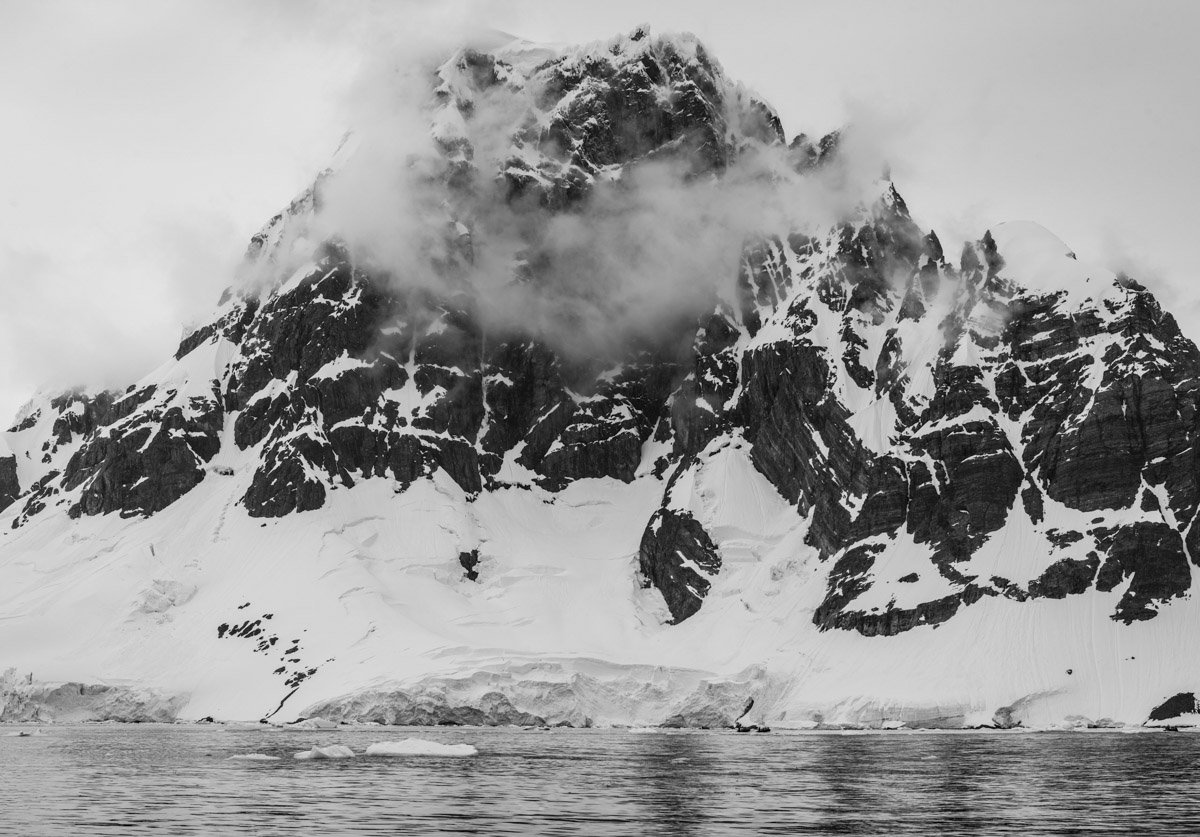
pixel 420 747
pixel 333 751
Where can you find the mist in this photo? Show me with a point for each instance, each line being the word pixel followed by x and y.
pixel 420 202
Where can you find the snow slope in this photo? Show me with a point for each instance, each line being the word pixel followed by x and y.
pixel 372 590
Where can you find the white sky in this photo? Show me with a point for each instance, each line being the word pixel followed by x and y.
pixel 144 141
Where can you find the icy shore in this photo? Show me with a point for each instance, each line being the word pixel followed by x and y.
pixel 24 700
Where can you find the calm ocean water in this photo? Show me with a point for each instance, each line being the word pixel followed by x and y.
pixel 119 780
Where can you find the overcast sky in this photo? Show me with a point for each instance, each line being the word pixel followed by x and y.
pixel 145 141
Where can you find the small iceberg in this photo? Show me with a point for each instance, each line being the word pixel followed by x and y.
pixel 420 747
pixel 333 751
pixel 254 757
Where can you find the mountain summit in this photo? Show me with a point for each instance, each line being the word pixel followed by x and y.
pixel 599 401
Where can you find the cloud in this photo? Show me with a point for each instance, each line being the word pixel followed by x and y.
pixel 61 327
pixel 652 243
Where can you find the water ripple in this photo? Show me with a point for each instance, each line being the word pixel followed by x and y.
pixel 133 780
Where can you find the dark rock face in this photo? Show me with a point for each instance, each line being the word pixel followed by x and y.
pixel 469 561
pixel 320 384
pixel 145 462
pixel 906 407
pixel 10 488
pixel 524 390
pixel 799 435
pixel 678 557
pixel 134 453
pixel 1183 703
pixel 698 409
pixel 1034 413
pixel 603 436
pixel 1152 556
pixel 1066 577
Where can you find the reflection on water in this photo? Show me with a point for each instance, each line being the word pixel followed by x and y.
pixel 178 780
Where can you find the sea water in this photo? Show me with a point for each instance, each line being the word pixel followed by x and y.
pixel 180 780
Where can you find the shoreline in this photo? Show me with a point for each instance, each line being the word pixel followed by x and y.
pixel 253 726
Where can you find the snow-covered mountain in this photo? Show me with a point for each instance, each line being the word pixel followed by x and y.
pixel 852 479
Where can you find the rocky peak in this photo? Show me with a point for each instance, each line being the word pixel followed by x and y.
pixel 915 414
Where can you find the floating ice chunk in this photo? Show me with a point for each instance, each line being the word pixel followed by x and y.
pixel 333 751
pixel 420 747
pixel 256 757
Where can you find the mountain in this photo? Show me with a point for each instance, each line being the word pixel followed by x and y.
pixel 582 449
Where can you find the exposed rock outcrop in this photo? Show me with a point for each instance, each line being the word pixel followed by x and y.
pixel 10 487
